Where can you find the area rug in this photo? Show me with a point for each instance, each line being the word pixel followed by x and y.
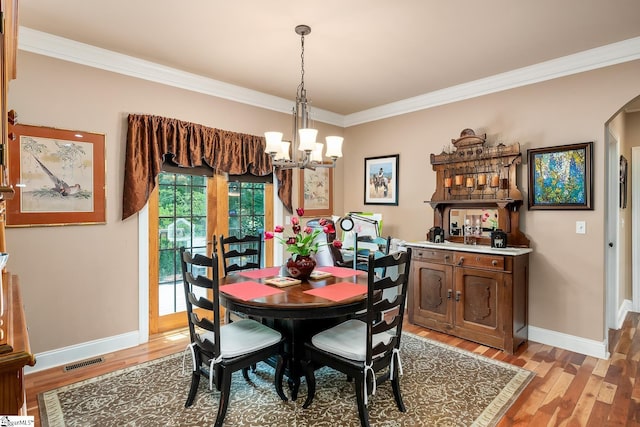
pixel 441 386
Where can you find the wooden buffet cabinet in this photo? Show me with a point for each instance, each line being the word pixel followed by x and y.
pixel 461 285
pixel 473 292
pixel 15 351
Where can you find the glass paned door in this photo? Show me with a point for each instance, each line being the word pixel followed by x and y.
pixel 247 209
pixel 188 210
pixel 180 206
pixel 182 220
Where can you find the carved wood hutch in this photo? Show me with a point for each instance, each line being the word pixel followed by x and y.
pixel 462 285
pixel 15 351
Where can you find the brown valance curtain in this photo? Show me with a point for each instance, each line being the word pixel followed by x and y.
pixel 150 138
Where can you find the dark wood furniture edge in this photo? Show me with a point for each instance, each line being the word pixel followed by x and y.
pixel 12 393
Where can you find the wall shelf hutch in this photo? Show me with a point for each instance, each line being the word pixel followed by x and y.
pixel 463 286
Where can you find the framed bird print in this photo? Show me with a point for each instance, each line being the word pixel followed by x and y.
pixel 58 176
pixel 316 191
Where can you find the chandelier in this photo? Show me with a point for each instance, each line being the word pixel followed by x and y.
pixel 306 152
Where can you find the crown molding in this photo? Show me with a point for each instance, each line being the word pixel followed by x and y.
pixel 615 53
pixel 46 44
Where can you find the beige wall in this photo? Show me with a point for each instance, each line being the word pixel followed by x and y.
pixel 81 282
pixel 567 281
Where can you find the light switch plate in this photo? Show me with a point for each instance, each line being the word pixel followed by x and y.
pixel 581 227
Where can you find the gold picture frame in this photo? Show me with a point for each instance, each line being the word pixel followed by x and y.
pixel 316 191
pixel 59 177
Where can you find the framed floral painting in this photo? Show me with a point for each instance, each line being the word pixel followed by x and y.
pixel 561 177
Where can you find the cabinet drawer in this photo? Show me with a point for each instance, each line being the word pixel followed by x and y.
pixel 432 255
pixel 469 259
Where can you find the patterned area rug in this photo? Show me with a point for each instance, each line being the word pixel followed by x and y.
pixel 441 386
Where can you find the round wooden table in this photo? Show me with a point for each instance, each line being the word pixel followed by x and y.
pixel 296 314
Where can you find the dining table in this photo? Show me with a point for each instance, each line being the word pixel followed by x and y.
pixel 297 309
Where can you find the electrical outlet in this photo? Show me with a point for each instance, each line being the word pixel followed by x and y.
pixel 581 227
pixel 287 220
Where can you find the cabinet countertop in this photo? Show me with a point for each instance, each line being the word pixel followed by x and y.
pixel 483 249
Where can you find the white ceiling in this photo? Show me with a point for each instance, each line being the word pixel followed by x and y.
pixel 360 55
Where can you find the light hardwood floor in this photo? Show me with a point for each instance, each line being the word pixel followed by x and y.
pixel 570 389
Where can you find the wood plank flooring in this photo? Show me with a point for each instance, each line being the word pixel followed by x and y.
pixel 569 389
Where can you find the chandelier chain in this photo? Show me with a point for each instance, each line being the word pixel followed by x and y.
pixel 303 152
pixel 301 87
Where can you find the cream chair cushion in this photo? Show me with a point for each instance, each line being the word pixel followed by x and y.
pixel 348 339
pixel 243 336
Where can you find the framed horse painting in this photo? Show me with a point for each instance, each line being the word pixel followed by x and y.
pixel 381 180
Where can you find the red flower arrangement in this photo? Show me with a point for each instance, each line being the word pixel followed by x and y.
pixel 303 240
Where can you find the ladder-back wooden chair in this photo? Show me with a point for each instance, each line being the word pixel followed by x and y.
pixel 360 348
pixel 240 253
pixel 220 350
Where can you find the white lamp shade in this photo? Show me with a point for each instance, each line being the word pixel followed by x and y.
pixel 274 140
pixel 283 151
pixel 307 139
pixel 316 154
pixel 334 146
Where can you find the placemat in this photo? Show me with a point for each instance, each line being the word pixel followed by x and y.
pixel 249 290
pixel 341 271
pixel 259 274
pixel 338 291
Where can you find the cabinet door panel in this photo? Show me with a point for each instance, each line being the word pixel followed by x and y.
pixel 478 302
pixel 431 295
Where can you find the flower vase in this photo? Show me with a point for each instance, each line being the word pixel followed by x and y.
pixel 301 267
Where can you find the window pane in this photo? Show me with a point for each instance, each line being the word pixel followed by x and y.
pixel 182 179
pixel 199 180
pixel 166 178
pixel 246 208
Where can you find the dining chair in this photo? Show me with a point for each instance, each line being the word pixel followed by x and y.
pixel 363 347
pixel 364 245
pixel 238 254
pixel 241 253
pixel 338 258
pixel 217 350
pixel 323 255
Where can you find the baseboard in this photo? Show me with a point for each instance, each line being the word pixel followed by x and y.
pixel 569 342
pixel 86 350
pixel 625 308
